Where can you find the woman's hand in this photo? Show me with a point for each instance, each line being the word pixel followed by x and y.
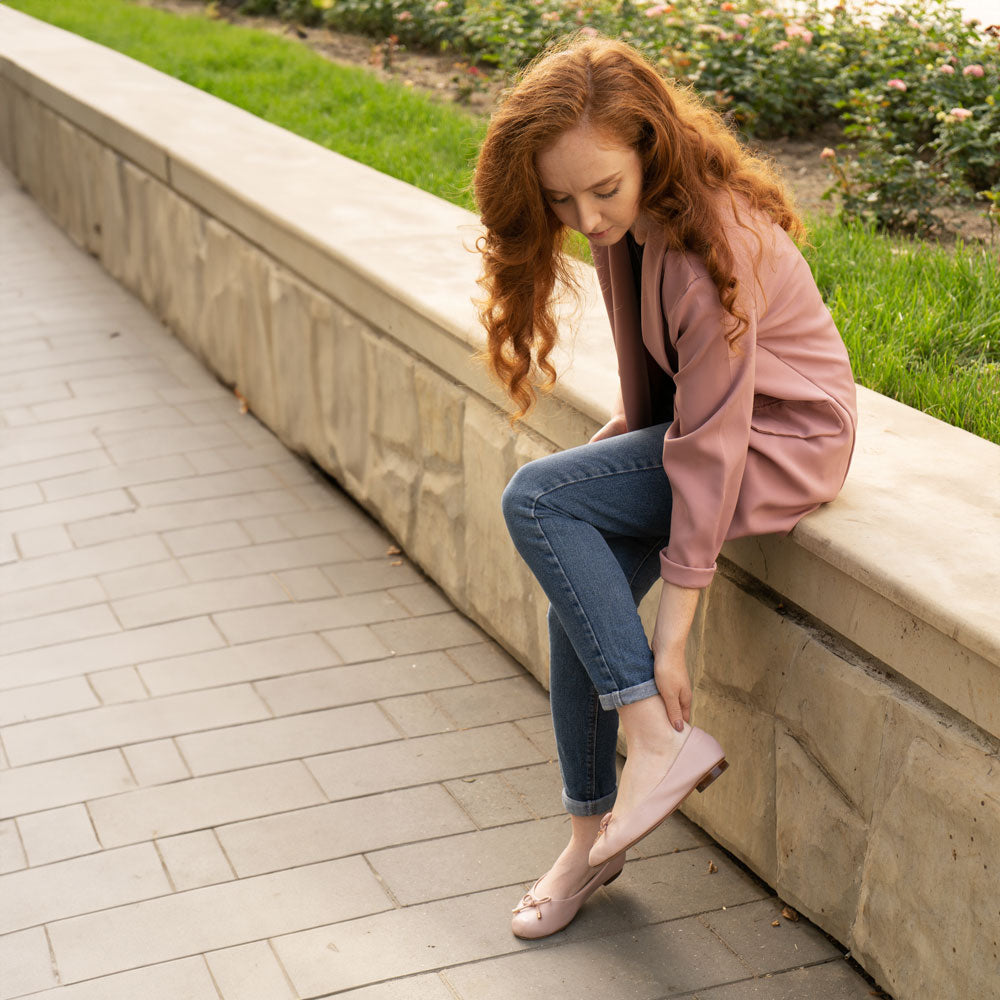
pixel 674 684
pixel 615 426
pixel 673 622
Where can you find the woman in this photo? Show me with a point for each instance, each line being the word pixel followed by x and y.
pixel 736 414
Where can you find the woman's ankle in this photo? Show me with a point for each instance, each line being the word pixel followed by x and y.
pixel 647 727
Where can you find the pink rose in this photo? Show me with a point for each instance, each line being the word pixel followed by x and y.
pixel 440 6
pixel 404 15
pixel 767 12
pixel 960 114
pixel 742 20
pixel 828 154
pixel 778 46
pixel 896 85
pixel 660 8
pixel 588 31
pixel 550 15
pixel 797 31
pixel 946 69
pixel 973 70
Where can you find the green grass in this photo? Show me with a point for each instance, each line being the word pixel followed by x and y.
pixel 921 322
pixel 387 126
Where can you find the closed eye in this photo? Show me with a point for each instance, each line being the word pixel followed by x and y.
pixel 603 195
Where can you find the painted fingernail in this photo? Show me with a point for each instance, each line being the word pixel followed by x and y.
pixel 679 726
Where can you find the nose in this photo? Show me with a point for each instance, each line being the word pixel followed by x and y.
pixel 589 215
pixel 590 218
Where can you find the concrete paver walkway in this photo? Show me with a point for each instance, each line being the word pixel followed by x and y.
pixel 246 750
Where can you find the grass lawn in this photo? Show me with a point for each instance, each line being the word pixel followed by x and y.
pixel 922 323
pixel 388 127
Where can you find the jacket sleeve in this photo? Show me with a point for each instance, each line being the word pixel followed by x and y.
pixel 705 448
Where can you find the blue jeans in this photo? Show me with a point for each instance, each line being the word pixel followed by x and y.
pixel 590 523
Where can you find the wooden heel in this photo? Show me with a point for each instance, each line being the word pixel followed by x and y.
pixel 712 775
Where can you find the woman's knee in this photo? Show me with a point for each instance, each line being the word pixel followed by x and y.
pixel 521 494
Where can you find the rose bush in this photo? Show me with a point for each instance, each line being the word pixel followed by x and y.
pixel 915 89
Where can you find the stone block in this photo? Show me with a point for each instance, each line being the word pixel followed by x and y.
pixel 12 856
pixel 57 834
pixel 395 462
pixel 342 686
pixel 198 803
pixel 739 809
pixel 300 319
pixel 321 833
pixel 928 921
pixel 62 782
pixel 147 268
pixel 508 596
pixel 470 862
pixel 821 840
pixel 26 962
pixel 667 887
pixel 745 646
pixel 343 387
pixel 751 932
pixel 438 537
pixel 30 120
pixel 157 762
pixel 213 917
pixel 677 958
pixel 406 763
pixel 425 937
pixel 441 407
pixel 834 980
pixel 55 891
pixel 836 710
pixel 215 337
pixel 249 972
pixel 8 95
pixel 184 234
pixel 194 860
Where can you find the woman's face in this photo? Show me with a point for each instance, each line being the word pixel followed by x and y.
pixel 592 184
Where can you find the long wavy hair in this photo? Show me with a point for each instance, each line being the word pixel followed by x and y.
pixel 688 156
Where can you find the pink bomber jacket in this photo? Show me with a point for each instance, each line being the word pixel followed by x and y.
pixel 763 433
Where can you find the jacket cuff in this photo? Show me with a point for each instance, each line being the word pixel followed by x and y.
pixel 693 577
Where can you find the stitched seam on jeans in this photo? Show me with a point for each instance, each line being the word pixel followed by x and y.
pixel 593 712
pixel 583 612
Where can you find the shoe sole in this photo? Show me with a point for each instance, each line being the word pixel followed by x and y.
pixel 711 775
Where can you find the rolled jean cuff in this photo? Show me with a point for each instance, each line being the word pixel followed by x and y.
pixel 628 695
pixel 596 807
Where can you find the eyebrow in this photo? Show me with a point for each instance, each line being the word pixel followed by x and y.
pixel 607 180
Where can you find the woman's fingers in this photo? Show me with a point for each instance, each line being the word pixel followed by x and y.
pixel 675 712
pixel 614 427
pixel 674 686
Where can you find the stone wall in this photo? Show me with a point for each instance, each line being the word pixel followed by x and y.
pixel 852 670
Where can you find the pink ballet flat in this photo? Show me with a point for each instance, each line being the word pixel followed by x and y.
pixel 700 761
pixel 536 917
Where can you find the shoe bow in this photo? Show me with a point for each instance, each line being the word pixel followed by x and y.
pixel 603 828
pixel 530 901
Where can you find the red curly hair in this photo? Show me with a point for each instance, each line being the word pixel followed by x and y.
pixel 688 158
